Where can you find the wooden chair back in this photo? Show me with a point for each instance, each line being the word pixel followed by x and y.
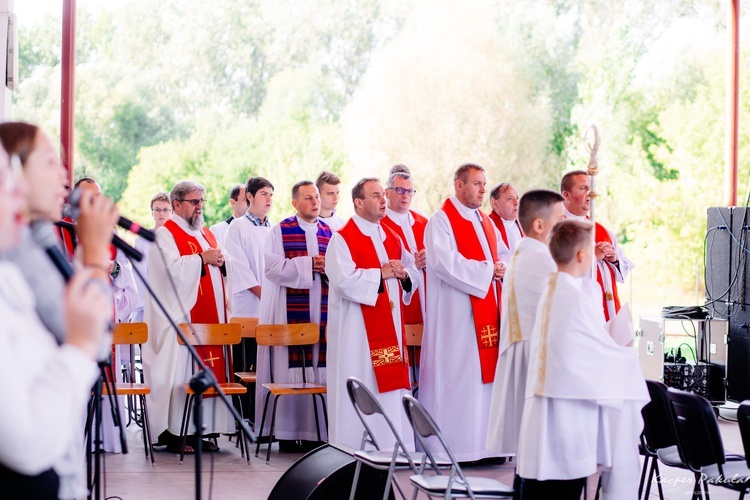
pixel 286 335
pixel 129 333
pixel 414 335
pixel 211 333
pixel 248 326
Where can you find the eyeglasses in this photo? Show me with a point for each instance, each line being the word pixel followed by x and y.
pixel 402 191
pixel 197 202
pixel 162 210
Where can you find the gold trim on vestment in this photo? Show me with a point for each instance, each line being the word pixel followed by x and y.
pixel 514 323
pixel 544 334
pixel 385 356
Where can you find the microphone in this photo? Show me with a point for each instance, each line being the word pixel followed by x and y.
pixel 72 210
pixel 131 252
pixel 44 236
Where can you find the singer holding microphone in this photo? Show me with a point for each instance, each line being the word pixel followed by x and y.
pixel 48 385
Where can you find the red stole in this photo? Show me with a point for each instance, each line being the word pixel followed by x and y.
pixel 391 369
pixel 486 311
pixel 600 235
pixel 501 227
pixel 412 312
pixel 204 310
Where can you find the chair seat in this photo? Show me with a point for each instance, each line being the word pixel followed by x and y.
pixel 381 458
pixel 481 486
pixel 122 389
pixel 229 389
pixel 670 456
pixel 246 377
pixel 305 388
pixel 736 475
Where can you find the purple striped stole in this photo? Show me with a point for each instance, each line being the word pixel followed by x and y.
pixel 298 300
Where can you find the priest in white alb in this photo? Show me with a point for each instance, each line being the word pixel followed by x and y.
pixel 462 326
pixel 372 276
pixel 612 266
pixel 295 291
pixel 584 391
pixel 504 213
pixel 524 282
pixel 186 268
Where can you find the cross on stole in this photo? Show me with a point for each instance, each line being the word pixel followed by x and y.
pixel 489 336
pixel 386 356
pixel 212 359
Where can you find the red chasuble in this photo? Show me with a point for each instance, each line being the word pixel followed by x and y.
pixel 486 311
pixel 412 312
pixel 204 310
pixel 600 235
pixel 391 369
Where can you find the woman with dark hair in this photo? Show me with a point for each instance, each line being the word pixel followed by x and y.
pixel 49 385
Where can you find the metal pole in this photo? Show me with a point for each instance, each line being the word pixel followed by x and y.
pixel 67 91
pixel 733 104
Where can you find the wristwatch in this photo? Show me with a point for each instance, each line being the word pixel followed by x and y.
pixel 115 270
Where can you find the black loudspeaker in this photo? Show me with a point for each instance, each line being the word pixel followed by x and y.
pixel 738 362
pixel 327 473
pixel 718 260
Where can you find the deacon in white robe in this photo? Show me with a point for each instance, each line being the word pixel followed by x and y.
pixel 584 391
pixel 452 380
pixel 523 285
pixel 505 202
pixel 167 365
pixel 295 418
pixel 349 353
pixel 244 242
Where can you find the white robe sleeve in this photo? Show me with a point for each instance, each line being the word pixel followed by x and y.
pixel 468 276
pixel 290 273
pixel 356 285
pixel 622 270
pixel 244 276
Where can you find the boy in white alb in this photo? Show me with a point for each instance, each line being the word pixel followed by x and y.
pixel 524 283
pixel 584 392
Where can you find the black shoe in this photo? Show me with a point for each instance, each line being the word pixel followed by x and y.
pixel 289 446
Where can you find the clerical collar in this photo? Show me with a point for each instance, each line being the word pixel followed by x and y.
pixel 257 221
pixel 466 212
pixel 333 214
pixel 400 218
pixel 304 224
pixel 570 215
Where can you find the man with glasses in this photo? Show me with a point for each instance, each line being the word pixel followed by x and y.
pixel 409 225
pixel 186 269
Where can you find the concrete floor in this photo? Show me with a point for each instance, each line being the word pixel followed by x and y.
pixel 131 476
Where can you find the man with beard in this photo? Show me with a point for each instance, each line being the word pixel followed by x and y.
pixel 186 268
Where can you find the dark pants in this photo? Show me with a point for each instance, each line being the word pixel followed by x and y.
pixel 570 489
pixel 14 485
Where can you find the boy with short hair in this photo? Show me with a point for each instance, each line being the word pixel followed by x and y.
pixel 584 392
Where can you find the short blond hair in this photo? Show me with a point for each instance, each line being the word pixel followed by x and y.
pixel 567 237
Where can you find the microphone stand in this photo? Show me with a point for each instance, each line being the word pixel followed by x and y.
pixel 201 381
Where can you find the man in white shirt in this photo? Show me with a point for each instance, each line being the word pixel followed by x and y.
pixel 328 187
pixel 504 203
pixel 584 392
pixel 371 277
pixel 238 203
pixel 460 344
pixel 524 282
pixel 295 291
pixel 188 278
pixel 611 265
